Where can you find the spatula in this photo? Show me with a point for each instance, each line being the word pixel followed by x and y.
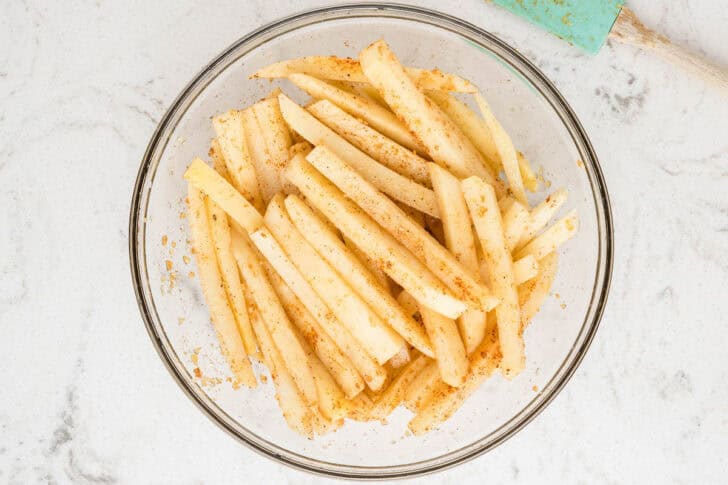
pixel 589 23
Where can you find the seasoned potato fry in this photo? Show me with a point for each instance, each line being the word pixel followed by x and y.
pixel 373 374
pixel 438 259
pixel 223 320
pixel 533 293
pixel 472 125
pixel 368 262
pixel 541 215
pixel 302 147
pixel 444 400
pixel 294 406
pixel 275 133
pixel 422 386
pixel 268 179
pixel 401 358
pixel 408 303
pixel 393 395
pixel 207 180
pixel 337 364
pixel 551 238
pixel 378 339
pixel 486 217
pixel 506 151
pixel 355 274
pixel 391 182
pixel 346 69
pixel 380 118
pixel 525 269
pixel 460 241
pixel 401 265
pixel 529 177
pixel 370 141
pixel 274 316
pixel 515 221
pixel 445 143
pixel 449 349
pixel 233 145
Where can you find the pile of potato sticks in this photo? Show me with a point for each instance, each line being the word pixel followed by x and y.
pixel 365 247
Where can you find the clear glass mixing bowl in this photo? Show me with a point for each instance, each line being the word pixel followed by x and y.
pixel 542 126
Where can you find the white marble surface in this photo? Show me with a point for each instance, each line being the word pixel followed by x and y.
pixel 85 397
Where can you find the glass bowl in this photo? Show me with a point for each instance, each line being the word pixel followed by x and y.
pixel 542 126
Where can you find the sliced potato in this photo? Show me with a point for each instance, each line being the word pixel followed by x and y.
pixel 356 275
pixel 401 265
pixel 268 179
pixel 551 238
pixel 370 141
pixel 541 215
pixel 275 133
pixel 223 320
pixel 449 349
pixel 422 387
pixel 393 395
pixel 391 182
pixel 530 181
pixel 532 294
pixel 438 259
pixel 515 221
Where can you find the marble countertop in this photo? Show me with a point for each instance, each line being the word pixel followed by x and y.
pixel 85 397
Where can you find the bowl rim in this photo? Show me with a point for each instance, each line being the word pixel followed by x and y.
pixel 527 70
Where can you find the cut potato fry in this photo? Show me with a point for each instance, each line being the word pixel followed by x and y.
pixel 542 214
pixel 207 180
pixel 444 401
pixel 530 181
pixel 274 316
pixel 393 258
pixel 223 320
pixel 377 338
pixel 366 90
pixel 525 269
pixel 551 238
pixel 421 388
pixel 408 303
pixel 401 358
pixel 368 262
pixel 506 151
pixel 268 179
pixel 275 133
pixel 337 364
pixel 515 221
pixel 380 118
pixel 532 294
pixel 233 145
pixel 449 349
pixel 472 125
pixel 445 143
pixel 486 216
pixel 294 406
pixel 230 276
pixel 358 409
pixel 355 274
pixel 347 69
pixel 394 393
pixel 438 259
pixel 370 141
pixel 460 241
pixel 394 184
pixel 374 375
pixel 302 147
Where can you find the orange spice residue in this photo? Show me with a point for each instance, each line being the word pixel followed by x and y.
pixel 164 240
pixel 535 388
pixel 186 259
pixel 169 265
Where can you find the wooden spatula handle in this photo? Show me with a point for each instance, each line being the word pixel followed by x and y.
pixel 630 30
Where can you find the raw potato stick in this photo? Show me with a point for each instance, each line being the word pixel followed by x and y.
pixel 401 265
pixel 380 118
pixel 370 141
pixel 294 407
pixel 394 393
pixel 422 386
pixel 373 374
pixel 444 141
pixel 438 259
pixel 541 215
pixel 486 216
pixel 460 240
pixel 275 132
pixel 231 344
pixel 529 177
pixel 268 179
pixel 551 238
pixel 338 365
pixel 515 221
pixel 375 270
pixel 377 338
pixel 449 349
pixel 532 294
pixel 345 262
pixel 506 151
pixel 525 269
pixel 276 321
pixel 207 180
pixel 347 69
pixel 231 137
pixel 391 182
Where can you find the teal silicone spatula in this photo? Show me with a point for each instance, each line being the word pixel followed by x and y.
pixel 589 23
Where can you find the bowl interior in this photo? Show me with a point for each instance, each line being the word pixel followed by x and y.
pixel 540 126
